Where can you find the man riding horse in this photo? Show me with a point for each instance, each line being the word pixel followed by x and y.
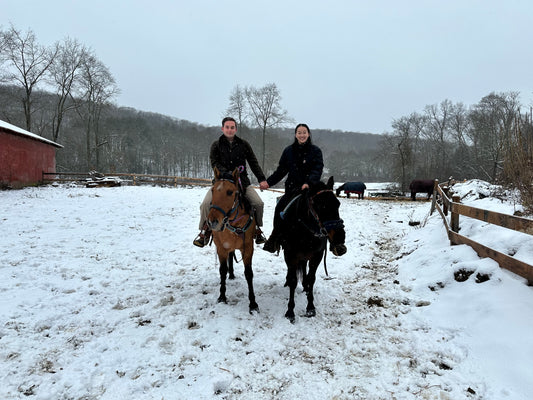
pixel 227 153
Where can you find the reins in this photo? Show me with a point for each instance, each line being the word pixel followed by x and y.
pixel 226 222
pixel 322 225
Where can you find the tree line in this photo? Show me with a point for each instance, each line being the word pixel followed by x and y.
pixel 491 140
pixel 63 92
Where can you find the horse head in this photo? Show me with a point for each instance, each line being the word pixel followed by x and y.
pixel 225 199
pixel 324 206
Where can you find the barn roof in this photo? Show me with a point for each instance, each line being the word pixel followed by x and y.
pixel 19 131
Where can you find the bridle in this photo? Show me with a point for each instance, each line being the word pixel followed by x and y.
pixel 226 222
pixel 324 226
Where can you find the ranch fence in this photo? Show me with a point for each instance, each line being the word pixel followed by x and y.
pixel 443 204
pixel 92 179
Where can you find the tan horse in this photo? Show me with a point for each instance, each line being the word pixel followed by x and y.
pixel 233 228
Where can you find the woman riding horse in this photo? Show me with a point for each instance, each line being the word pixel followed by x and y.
pixel 303 164
pixel 312 219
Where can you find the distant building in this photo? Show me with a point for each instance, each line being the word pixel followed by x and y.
pixel 24 156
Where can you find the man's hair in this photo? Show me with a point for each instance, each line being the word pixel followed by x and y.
pixel 228 119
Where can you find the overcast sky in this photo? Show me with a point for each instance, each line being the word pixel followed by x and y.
pixel 340 64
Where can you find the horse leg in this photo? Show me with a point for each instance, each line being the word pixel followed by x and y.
pixel 292 281
pixel 230 265
pixel 310 283
pixel 248 271
pixel 249 274
pixel 223 272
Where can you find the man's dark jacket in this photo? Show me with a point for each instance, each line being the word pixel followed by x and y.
pixel 227 156
pixel 302 163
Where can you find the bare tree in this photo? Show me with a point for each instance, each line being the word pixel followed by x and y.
pixel 492 124
pixel 64 74
pixel 403 144
pixel 27 64
pixel 265 110
pixel 97 87
pixel 459 124
pixel 437 130
pixel 238 106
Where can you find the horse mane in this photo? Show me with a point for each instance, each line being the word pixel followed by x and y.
pixel 317 187
pixel 227 176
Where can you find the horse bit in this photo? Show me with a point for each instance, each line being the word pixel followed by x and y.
pixel 226 223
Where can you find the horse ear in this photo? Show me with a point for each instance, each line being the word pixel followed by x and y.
pixel 217 173
pixel 236 175
pixel 330 183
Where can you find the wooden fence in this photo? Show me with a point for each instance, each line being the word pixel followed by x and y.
pixel 130 179
pixel 443 204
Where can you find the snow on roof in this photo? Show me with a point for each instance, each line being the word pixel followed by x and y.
pixel 23 132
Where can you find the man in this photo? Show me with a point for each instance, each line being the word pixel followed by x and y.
pixel 227 153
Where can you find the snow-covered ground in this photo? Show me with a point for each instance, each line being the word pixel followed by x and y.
pixel 103 296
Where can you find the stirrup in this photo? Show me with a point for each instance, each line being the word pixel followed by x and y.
pixel 199 241
pixel 271 245
pixel 202 239
pixel 259 237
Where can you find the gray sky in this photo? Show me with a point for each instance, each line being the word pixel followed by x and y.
pixel 352 65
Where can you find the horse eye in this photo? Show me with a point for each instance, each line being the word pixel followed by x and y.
pixel 229 192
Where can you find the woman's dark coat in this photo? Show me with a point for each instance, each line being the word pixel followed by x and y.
pixel 302 164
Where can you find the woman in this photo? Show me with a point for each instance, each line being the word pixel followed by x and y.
pixel 303 164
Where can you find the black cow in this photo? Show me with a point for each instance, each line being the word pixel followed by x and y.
pixel 352 187
pixel 421 186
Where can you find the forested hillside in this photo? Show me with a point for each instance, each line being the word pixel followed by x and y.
pixel 134 141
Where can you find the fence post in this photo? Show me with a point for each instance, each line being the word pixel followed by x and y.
pixel 445 204
pixel 455 216
pixel 434 199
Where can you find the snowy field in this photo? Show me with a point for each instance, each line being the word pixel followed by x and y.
pixel 103 296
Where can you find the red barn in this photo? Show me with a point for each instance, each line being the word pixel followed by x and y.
pixel 24 156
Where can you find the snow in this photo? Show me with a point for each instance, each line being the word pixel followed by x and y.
pixel 103 296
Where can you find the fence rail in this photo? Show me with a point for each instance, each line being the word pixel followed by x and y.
pixel 455 208
pixel 133 179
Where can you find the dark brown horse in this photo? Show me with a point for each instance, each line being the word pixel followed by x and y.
pixel 310 220
pixel 421 186
pixel 233 227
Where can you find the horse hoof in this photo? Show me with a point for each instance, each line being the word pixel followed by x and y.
pixel 254 309
pixel 310 313
pixel 231 276
pixel 222 299
pixel 290 316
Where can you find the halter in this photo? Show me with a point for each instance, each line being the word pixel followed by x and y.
pixel 323 226
pixel 226 222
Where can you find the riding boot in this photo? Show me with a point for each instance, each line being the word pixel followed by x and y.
pixel 258 235
pixel 272 244
pixel 203 237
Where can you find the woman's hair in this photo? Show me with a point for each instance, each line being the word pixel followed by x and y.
pixel 308 130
